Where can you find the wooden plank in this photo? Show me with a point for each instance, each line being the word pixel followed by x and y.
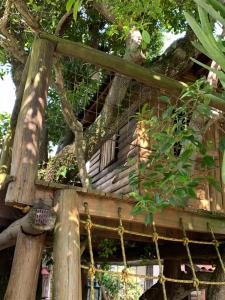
pixel 130 125
pixel 99 203
pixel 94 160
pixel 66 250
pixel 168 218
pixel 114 63
pixel 94 166
pixel 116 174
pixel 25 153
pixel 25 268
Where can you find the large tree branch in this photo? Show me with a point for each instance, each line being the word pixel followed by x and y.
pixel 74 125
pixel 62 22
pixel 8 41
pixel 104 10
pixel 27 16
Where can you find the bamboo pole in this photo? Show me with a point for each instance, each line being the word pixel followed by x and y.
pixel 66 250
pixel 25 153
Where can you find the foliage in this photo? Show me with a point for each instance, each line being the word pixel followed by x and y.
pixel 61 169
pixel 213 48
pixel 207 42
pixel 166 174
pixel 4 126
pixel 107 248
pixel 114 286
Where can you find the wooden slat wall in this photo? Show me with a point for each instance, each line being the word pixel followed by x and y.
pixel 208 197
pixel 115 176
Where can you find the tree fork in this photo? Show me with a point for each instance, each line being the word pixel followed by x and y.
pixel 25 153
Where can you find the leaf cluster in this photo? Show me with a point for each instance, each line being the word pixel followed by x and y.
pixel 165 176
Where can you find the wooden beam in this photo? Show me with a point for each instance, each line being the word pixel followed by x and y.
pixel 25 268
pixel 121 66
pixel 66 250
pixel 25 153
pixel 114 63
pixel 107 208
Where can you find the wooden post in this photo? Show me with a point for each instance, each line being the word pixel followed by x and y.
pixel 25 268
pixel 25 153
pixel 66 250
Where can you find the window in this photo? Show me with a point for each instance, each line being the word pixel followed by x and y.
pixel 108 152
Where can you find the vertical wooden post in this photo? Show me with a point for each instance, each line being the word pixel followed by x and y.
pixel 25 268
pixel 25 153
pixel 66 250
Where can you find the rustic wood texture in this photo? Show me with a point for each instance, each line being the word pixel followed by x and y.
pixel 109 168
pixel 114 63
pixel 25 154
pixel 66 250
pixel 25 268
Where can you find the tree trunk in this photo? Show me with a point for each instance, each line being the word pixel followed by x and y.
pixel 25 268
pixel 217 292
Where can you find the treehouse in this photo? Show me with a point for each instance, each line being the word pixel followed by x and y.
pixel 190 235
pixel 129 145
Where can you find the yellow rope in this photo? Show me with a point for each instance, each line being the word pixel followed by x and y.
pixel 125 274
pixel 92 269
pixel 162 279
pixel 121 233
pixel 186 244
pixel 216 244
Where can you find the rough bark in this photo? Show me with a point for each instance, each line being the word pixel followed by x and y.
pixel 217 292
pixel 175 291
pixel 74 125
pixel 8 40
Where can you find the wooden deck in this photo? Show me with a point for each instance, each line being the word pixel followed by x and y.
pixel 103 208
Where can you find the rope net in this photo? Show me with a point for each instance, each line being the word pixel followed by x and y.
pixel 155 237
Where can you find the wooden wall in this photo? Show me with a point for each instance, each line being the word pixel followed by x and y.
pixel 130 142
pixel 114 176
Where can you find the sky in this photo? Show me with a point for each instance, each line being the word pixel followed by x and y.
pixel 7 88
pixel 7 94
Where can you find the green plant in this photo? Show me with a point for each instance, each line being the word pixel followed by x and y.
pixel 166 175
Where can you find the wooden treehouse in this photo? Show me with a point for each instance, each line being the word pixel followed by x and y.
pixel 185 235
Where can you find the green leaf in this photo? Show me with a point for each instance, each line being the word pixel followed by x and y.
pixel 211 11
pixel 75 9
pixel 146 37
pixel 69 5
pixel 208 161
pixel 191 192
pixel 222 144
pixel 136 210
pixel 148 219
pixel 165 99
pixel 214 183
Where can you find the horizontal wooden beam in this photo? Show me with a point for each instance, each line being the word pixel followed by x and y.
pixel 120 65
pixel 114 63
pixel 105 206
pixel 195 221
